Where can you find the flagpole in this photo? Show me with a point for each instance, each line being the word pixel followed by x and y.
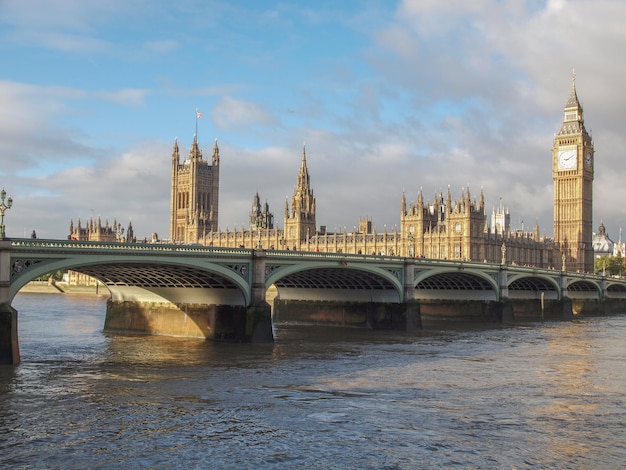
pixel 196 134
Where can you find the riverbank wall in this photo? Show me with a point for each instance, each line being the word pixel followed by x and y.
pixel 46 287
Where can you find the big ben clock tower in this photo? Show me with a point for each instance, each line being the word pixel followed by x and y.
pixel 572 172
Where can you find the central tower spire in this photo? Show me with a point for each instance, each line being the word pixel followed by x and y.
pixel 300 217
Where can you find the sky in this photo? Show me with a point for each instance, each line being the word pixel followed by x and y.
pixel 386 96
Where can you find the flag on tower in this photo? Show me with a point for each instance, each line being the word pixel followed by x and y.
pixel 198 115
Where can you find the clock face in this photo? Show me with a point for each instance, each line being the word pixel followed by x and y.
pixel 567 159
pixel 589 160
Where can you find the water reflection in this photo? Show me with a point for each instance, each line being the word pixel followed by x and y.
pixel 543 395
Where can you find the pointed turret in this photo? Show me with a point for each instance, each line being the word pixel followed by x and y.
pixel 303 174
pixel 572 101
pixel 448 206
pixel 175 152
pixel 536 231
pixel 573 122
pixel 130 234
pixel 300 224
pixel 216 154
pixel 481 201
pixel 195 154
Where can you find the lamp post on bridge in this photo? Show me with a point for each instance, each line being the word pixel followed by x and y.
pixel 3 208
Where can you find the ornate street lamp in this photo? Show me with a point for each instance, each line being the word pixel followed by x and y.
pixel 3 208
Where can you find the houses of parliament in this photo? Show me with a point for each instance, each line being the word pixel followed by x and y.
pixel 443 228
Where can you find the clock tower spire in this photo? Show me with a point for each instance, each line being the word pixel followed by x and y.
pixel 572 172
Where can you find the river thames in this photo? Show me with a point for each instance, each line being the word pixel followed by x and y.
pixel 540 395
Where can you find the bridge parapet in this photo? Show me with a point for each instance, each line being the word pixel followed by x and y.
pixel 244 260
pixel 24 244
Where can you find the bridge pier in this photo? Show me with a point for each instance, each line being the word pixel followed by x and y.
pixel 259 317
pixel 466 311
pixel 9 347
pixel 372 315
pixel 532 309
pixel 259 323
pixel 216 322
pixel 603 306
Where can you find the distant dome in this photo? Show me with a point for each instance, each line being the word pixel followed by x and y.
pixel 602 244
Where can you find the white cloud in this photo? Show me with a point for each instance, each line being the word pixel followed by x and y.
pixel 126 97
pixel 235 114
pixel 430 95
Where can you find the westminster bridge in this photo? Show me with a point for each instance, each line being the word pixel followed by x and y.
pixel 221 293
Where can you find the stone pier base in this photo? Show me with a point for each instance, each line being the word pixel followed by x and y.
pixel 532 310
pixel 9 346
pixel 598 307
pixel 464 311
pixel 215 322
pixel 373 315
pixel 259 323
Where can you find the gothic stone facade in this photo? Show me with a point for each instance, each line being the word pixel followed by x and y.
pixel 194 195
pixel 442 229
pixel 95 231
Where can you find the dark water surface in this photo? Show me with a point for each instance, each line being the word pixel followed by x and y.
pixel 549 395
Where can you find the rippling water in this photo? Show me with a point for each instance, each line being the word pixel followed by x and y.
pixel 537 395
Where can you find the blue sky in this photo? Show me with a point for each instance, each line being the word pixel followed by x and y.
pixel 389 96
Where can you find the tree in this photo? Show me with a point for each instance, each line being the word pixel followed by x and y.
pixel 609 265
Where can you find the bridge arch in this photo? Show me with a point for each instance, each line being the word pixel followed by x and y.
pixel 584 289
pixel 457 283
pixel 186 279
pixel 335 281
pixel 532 285
pixel 616 290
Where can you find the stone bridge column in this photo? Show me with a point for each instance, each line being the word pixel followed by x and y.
pixel 412 309
pixel 259 314
pixel 567 310
pixel 409 278
pixel 564 294
pixel 258 277
pixel 505 306
pixel 9 347
pixel 503 282
pixel 603 285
